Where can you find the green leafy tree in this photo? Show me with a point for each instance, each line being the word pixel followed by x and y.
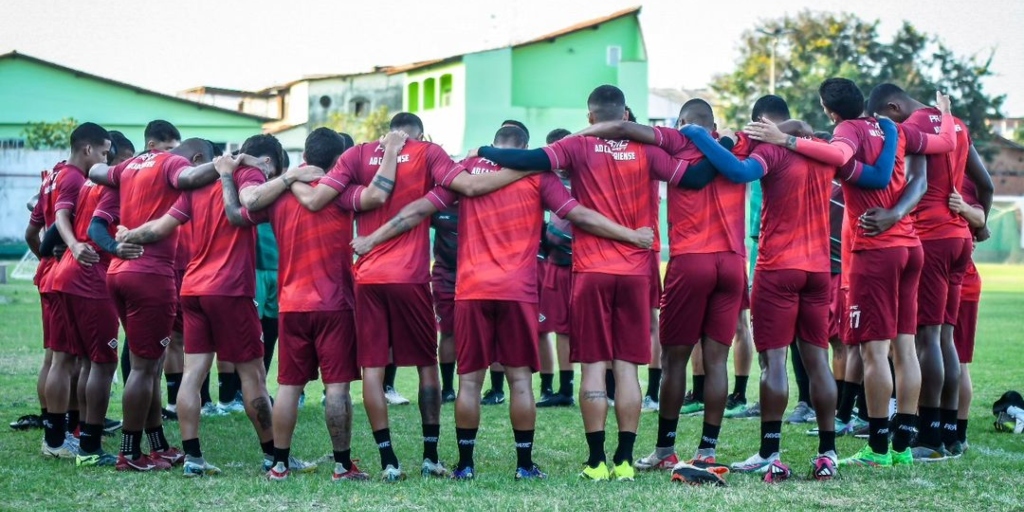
pixel 363 129
pixel 44 135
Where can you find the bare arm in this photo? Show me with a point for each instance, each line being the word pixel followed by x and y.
pixel 383 183
pixel 150 232
pixel 977 173
pixel 597 224
pixel 32 239
pixel 473 185
pixel 974 216
pixel 100 173
pixel 618 130
pixel 315 198
pixel 196 177
pixel 407 218
pixel 82 252
pixel 876 221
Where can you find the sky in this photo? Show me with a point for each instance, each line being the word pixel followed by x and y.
pixel 170 46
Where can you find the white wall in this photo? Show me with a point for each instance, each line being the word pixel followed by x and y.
pixel 20 171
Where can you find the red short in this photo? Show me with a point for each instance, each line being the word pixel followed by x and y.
pixel 179 316
pixel 46 301
pixel 62 339
pixel 495 331
pixel 945 263
pixel 395 319
pixel 146 306
pixel 92 327
pixel 656 282
pixel 442 287
pixel 227 326
pixel 883 293
pixel 611 318
pixel 703 293
pixel 324 340
pixel 745 299
pixel 835 308
pixel 786 304
pixel 554 299
pixel 964 331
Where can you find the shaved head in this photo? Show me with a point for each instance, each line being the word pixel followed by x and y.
pixel 698 112
pixel 195 150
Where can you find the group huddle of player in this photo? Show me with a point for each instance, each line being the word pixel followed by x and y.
pixel 163 243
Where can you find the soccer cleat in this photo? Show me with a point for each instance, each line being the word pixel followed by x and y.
pixel 842 428
pixel 447 397
pixel 234 406
pixel 99 458
pixel 756 464
pixel 928 454
pixel 776 472
pixel 706 455
pixel 465 473
pixel 268 462
pixel 211 409
pixel 1005 422
pixel 296 465
pixel 610 402
pixel 801 414
pixel 649 405
pixel 278 472
pixel 904 458
pixel 654 462
pixel 531 473
pixel 72 440
pixel 143 463
pixel 65 451
pixel 557 400
pixel 353 473
pixel 752 411
pixel 393 397
pixel 172 456
pixel 168 415
pixel 623 472
pixel 597 474
pixel 492 397
pixel 825 466
pixel 194 467
pixel 862 433
pixel 392 474
pixel 545 394
pixel 435 469
pixel 302 400
pixel 27 422
pixel 867 457
pixel 955 450
pixel 691 406
pixel 734 405
pixel 693 475
pixel 714 467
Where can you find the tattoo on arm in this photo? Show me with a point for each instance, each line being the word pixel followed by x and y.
pixel 384 184
pixel 594 396
pixel 232 203
pixel 143 235
pixel 400 223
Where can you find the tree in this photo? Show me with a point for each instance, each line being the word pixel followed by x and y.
pixel 371 127
pixel 44 135
pixel 815 46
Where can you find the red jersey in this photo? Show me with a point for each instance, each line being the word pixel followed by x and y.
pixel 223 256
pixel 147 188
pixel 971 291
pixel 315 256
pixel 59 191
pixel 423 168
pixel 707 220
pixel 794 231
pixel 182 254
pixel 613 177
pixel 932 216
pixel 498 235
pixel 866 139
pixel 68 275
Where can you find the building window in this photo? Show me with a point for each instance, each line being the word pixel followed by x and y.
pixel 429 93
pixel 360 107
pixel 12 143
pixel 325 101
pixel 614 56
pixel 414 97
pixel 446 90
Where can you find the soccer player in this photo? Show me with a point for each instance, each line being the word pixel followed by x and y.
pixel 496 295
pixel 946 240
pixel 442 287
pixel 611 281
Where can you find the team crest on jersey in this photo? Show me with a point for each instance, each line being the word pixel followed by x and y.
pixel 112 343
pixel 164 342
pixel 541 318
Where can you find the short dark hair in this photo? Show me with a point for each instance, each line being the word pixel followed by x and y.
pixel 406 120
pixel 557 134
pixel 88 134
pixel 349 141
pixel 513 122
pixel 286 161
pixel 629 115
pixel 323 147
pixel 607 103
pixel 264 144
pixel 161 131
pixel 195 146
pixel 699 111
pixel 770 105
pixel 217 151
pixel 826 136
pixel 843 97
pixel 511 135
pixel 119 143
pixel 882 94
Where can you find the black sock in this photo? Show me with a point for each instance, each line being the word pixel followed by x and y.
pixel 862 404
pixel 961 430
pixel 126 362
pixel 565 386
pixel 268 448
pixel 131 443
pixel 840 389
pixel 344 458
pixel 667 432
pixel 191 448
pixel 803 381
pixel 236 385
pixel 42 413
pixel 709 437
pixel 430 435
pixel 930 427
pixel 547 380
pixel 845 411
pixel 173 384
pixel 270 328
pixel 739 389
pixel 698 388
pixel 389 375
pixel 466 439
pixel 653 383
pixel 204 391
pixel 447 378
pixel 74 417
pixel 826 441
pixel 498 381
pixel 878 435
pixel 595 445
pixel 157 441
pixel 387 453
pixel 624 452
pixel 281 455
pixel 609 384
pixel 91 439
pixel 771 438
pixel 225 387
pixel 905 430
pixel 949 433
pixel 524 448
pixel 54 428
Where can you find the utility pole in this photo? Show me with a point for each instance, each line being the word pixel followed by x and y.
pixel 774 35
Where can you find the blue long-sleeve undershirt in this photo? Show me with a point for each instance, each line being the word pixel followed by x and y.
pixel 517 159
pixel 99 232
pixel 878 176
pixel 731 167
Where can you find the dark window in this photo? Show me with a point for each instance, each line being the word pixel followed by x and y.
pixel 325 101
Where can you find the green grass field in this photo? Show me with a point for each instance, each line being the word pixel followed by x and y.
pixel 989 477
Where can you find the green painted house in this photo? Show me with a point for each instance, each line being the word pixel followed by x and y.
pixel 543 82
pixel 34 90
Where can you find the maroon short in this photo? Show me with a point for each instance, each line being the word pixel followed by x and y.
pixel 835 309
pixel 495 331
pixel 179 316
pixel 611 318
pixel 786 304
pixel 965 329
pixel 395 319
pixel 442 287
pixel 656 282
pixel 61 337
pixel 883 293
pixel 92 327
pixel 46 301
pixel 146 305
pixel 324 340
pixel 554 299
pixel 745 299
pixel 703 293
pixel 938 296
pixel 227 326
